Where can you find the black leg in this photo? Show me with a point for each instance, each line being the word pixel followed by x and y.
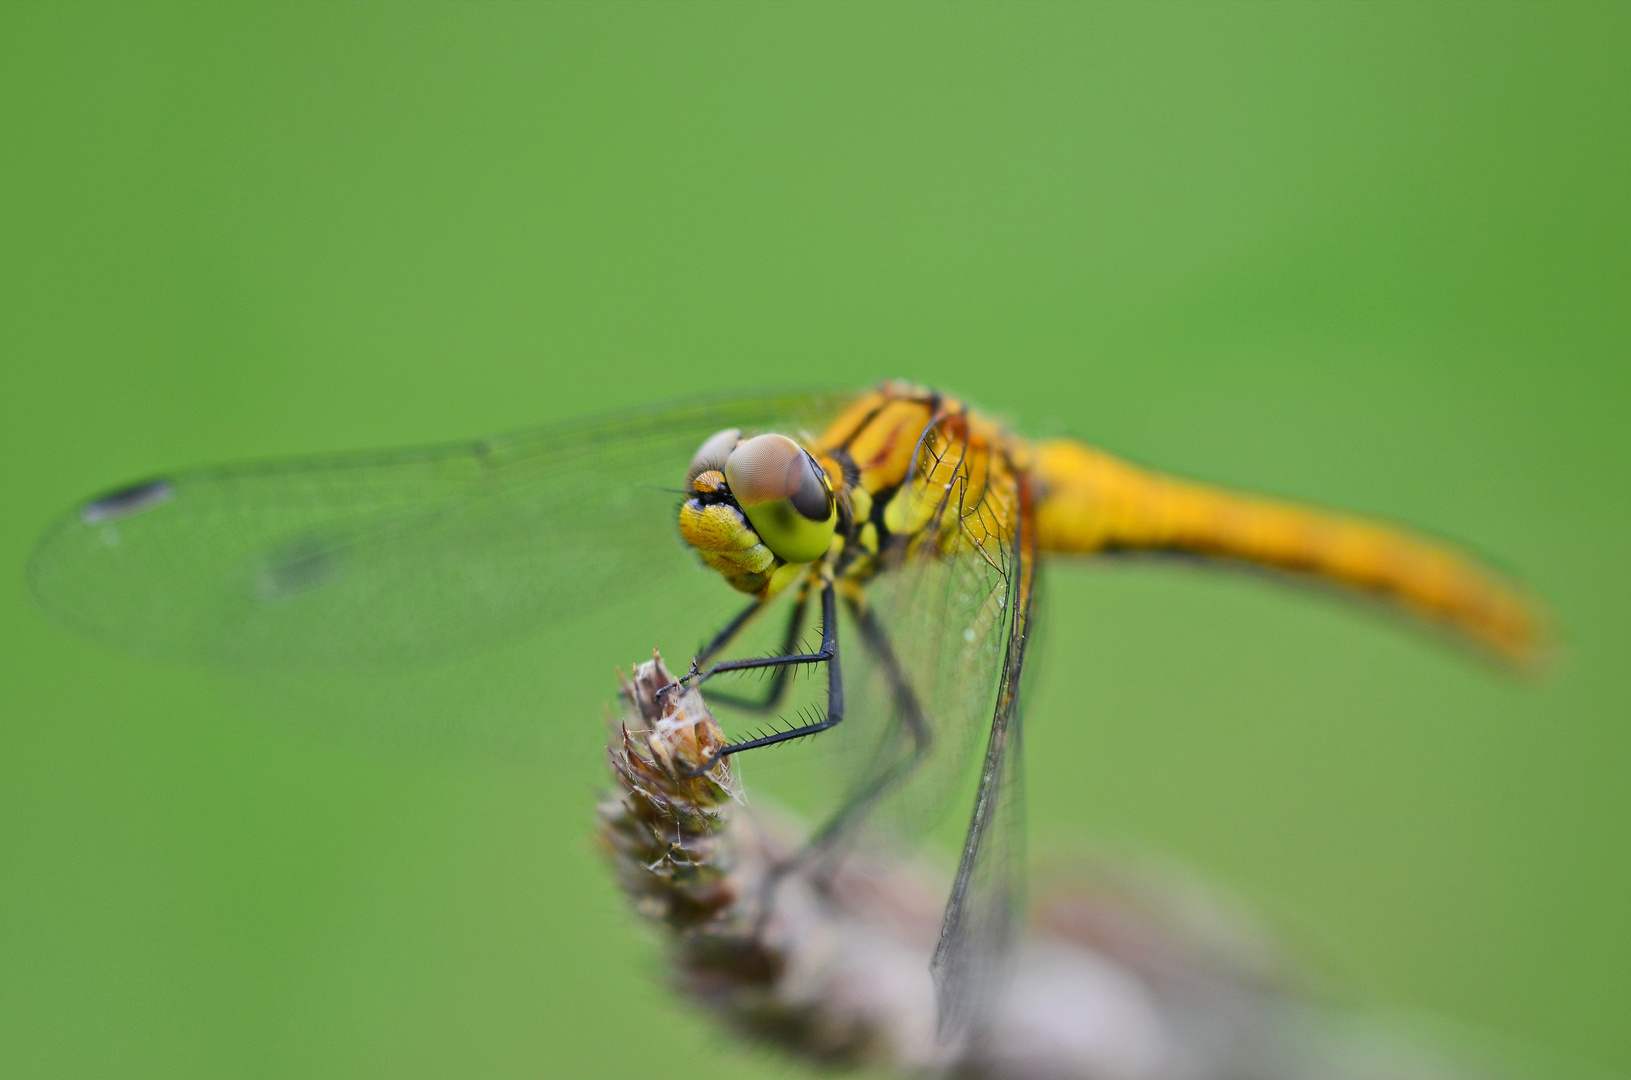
pixel 826 846
pixel 731 629
pixel 827 654
pixel 876 640
pixel 779 679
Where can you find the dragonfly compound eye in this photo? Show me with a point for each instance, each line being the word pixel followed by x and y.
pixel 711 455
pixel 785 495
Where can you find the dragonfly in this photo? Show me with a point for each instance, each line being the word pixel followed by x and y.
pixel 914 524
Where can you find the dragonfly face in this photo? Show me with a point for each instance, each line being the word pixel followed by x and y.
pixel 758 509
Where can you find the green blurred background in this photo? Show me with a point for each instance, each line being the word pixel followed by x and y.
pixel 1376 256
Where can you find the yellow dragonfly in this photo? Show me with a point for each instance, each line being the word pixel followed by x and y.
pixel 913 522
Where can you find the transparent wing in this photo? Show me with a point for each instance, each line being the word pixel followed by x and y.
pixel 389 560
pixel 986 903
pixel 937 654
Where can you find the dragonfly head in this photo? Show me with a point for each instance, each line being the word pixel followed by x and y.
pixel 755 506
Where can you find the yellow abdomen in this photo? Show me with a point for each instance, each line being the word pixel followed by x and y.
pixel 1090 501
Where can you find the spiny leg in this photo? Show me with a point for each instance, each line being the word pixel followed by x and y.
pixel 827 654
pixel 876 639
pixel 826 846
pixel 779 679
pixel 728 632
pixel 910 714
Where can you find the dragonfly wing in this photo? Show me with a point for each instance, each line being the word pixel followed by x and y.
pixel 943 636
pixel 921 674
pixel 986 903
pixel 375 561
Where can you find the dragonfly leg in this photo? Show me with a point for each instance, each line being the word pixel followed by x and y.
pixel 827 841
pixel 912 718
pixel 876 639
pixel 779 679
pixel 827 654
pixel 728 632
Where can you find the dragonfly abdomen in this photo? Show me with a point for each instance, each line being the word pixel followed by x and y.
pixel 1093 502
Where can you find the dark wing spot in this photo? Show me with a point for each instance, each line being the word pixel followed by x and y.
pixel 127 501
pixel 297 567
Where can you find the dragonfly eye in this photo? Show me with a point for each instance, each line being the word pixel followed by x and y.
pixel 711 455
pixel 785 495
